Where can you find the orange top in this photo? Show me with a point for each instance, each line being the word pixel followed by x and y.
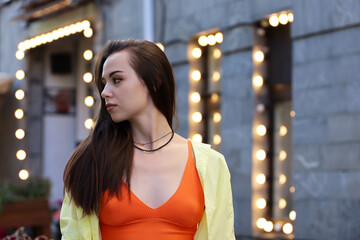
pixel 176 219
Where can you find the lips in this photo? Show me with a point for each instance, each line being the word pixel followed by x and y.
pixel 110 106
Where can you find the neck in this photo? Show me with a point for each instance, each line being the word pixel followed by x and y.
pixel 150 128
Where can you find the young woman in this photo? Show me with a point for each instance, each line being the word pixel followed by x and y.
pixel 134 178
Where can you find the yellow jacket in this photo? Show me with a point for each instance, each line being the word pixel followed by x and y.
pixel 217 222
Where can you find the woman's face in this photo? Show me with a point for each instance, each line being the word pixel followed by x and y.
pixel 125 94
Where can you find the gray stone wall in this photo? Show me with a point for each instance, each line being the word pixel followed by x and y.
pixel 326 132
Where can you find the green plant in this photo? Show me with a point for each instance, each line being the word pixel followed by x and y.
pixel 33 188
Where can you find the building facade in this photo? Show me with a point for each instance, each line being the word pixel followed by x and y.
pixel 273 85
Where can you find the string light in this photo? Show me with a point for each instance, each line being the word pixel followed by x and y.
pixel 261 130
pixel 161 46
pixel 89 123
pixel 20 74
pixel 89 101
pixel 217 117
pixel 20 134
pixel 260 108
pixel 196 75
pixel 21 155
pixel 287 228
pixel 196 117
pixel 219 37
pixel 260 223
pixel 292 113
pixel 283 130
pixel 217 53
pixel 258 81
pixel 196 52
pixel 216 76
pixel 88 33
pixel 282 179
pixel 202 40
pixel 269 226
pixel 261 154
pixel 283 18
pixel 261 178
pixel 19 54
pixel 274 21
pixel 282 155
pixel 292 189
pixel 259 56
pixel 211 40
pixel 19 94
pixel 19 113
pixel 197 138
pixel 195 97
pixel 282 203
pixel 292 215
pixel 217 139
pixel 215 97
pixel 23 174
pixel 290 17
pixel 88 54
pixel 87 77
pixel 261 203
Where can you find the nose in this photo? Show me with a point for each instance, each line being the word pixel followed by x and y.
pixel 106 93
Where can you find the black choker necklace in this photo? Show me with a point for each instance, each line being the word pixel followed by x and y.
pixel 153 150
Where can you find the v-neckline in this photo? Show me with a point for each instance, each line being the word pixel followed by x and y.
pixel 177 189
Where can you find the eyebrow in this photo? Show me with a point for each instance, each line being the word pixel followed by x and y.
pixel 112 73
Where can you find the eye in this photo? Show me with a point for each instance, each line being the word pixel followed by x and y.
pixel 117 80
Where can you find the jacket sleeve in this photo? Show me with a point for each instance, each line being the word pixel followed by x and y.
pixel 222 224
pixel 74 225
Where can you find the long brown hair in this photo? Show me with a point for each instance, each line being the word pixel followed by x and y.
pixel 104 158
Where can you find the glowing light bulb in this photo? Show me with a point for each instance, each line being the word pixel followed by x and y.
pixel 287 228
pixel 219 37
pixel 23 174
pixel 161 46
pixel 292 189
pixel 197 117
pixel 283 18
pixel 261 154
pixel 292 113
pixel 274 21
pixel 282 179
pixel 89 101
pixel 283 130
pixel 87 77
pixel 19 94
pixel 290 17
pixel 20 134
pixel 217 139
pixel 89 123
pixel 196 75
pixel 259 56
pixel 85 24
pixel 195 97
pixel 19 113
pixel 21 46
pixel 21 155
pixel 197 138
pixel 282 155
pixel 217 53
pixel 216 76
pixel 269 226
pixel 211 40
pixel 88 54
pixel 196 52
pixel 292 215
pixel 261 178
pixel 19 54
pixel 88 32
pixel 202 40
pixel 258 81
pixel 217 117
pixel 282 203
pixel 20 74
pixel 215 97
pixel 261 203
pixel 260 223
pixel 261 130
pixel 260 108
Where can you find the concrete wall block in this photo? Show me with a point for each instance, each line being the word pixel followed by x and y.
pixel 235 112
pixel 237 11
pixel 242 215
pixel 241 185
pixel 176 52
pixel 314 16
pixel 309 130
pixel 306 158
pixel 341 156
pixel 330 45
pixel 239 160
pixel 237 38
pixel 238 65
pixel 344 127
pixel 349 219
pixel 236 136
pixel 326 72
